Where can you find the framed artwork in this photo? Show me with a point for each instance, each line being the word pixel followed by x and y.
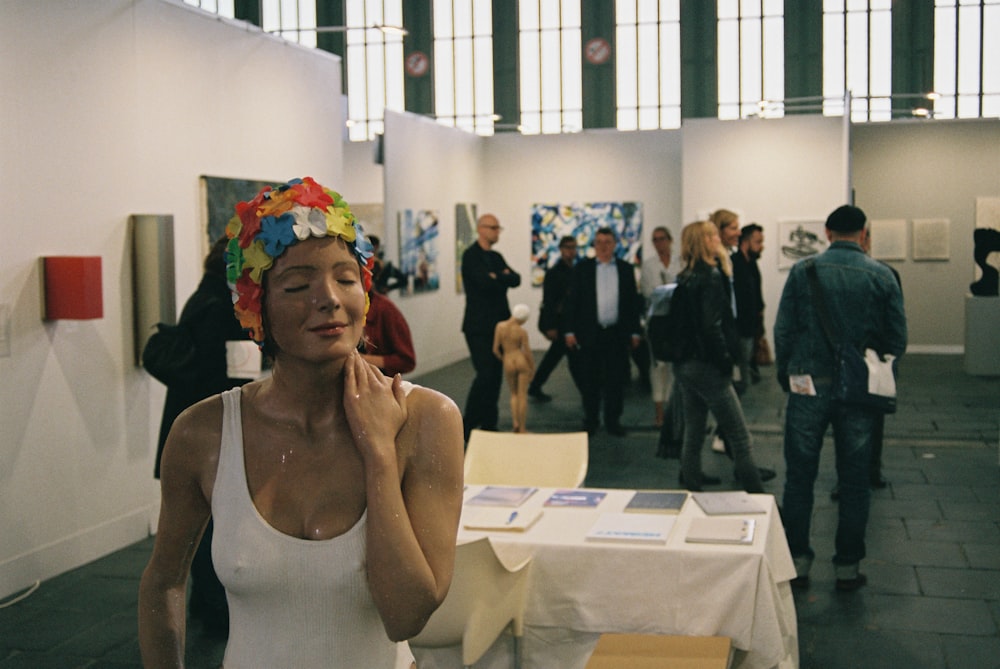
pixel 888 239
pixel 465 234
pixel 418 250
pixel 798 240
pixel 931 239
pixel 552 222
pixel 219 196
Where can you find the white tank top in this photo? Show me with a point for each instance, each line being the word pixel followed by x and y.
pixel 292 602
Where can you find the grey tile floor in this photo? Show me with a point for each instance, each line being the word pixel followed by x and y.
pixel 933 598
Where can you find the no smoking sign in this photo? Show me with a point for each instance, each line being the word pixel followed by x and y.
pixel 597 51
pixel 417 64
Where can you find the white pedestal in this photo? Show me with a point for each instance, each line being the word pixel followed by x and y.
pixel 982 335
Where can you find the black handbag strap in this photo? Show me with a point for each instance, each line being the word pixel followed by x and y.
pixel 816 290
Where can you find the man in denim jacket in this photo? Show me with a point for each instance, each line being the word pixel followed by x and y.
pixel 866 308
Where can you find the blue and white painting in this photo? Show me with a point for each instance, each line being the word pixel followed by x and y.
pixel 552 222
pixel 418 250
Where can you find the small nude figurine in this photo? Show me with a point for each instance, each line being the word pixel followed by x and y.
pixel 510 345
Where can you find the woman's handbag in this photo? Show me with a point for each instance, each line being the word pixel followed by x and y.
pixel 865 380
pixel 762 351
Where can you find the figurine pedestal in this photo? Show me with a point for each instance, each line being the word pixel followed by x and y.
pixel 982 335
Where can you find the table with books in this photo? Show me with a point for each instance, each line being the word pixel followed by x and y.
pixel 665 568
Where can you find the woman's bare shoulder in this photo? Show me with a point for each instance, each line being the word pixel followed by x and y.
pixel 429 402
pixel 196 435
pixel 433 418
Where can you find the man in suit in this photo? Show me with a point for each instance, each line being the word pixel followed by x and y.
pixel 485 278
pixel 601 326
pixel 554 290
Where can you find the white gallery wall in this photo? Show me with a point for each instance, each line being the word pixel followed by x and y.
pixel 591 166
pixel 767 171
pixel 109 109
pixel 431 167
pixel 930 170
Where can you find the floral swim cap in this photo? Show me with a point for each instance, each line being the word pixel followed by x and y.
pixel 275 219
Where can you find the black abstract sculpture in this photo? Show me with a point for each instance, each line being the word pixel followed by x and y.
pixel 987 241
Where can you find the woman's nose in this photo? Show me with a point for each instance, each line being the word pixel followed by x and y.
pixel 325 297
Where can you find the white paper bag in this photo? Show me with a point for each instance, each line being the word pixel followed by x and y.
pixel 881 380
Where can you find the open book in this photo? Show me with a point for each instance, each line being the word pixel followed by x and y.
pixel 499 519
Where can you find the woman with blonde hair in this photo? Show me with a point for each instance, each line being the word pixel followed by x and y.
pixel 708 348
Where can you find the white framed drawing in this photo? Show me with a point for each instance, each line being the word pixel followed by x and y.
pixel 800 239
pixel 888 238
pixel 931 239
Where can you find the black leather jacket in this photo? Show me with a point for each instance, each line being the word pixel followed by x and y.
pixel 709 332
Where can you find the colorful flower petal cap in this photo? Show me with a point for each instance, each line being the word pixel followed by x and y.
pixel 275 219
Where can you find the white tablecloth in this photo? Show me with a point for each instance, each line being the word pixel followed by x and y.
pixel 578 589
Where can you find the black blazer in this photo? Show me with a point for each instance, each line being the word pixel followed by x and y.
pixel 580 308
pixel 485 295
pixel 554 289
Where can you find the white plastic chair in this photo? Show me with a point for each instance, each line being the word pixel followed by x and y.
pixel 553 460
pixel 485 599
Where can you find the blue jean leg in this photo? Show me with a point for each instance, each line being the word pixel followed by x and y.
pixel 806 420
pixel 852 437
pixel 705 389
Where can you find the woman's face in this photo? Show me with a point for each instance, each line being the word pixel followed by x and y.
pixel 315 300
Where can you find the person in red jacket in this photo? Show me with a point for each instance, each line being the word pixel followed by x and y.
pixel 388 344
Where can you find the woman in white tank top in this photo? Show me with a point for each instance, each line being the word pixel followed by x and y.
pixel 335 491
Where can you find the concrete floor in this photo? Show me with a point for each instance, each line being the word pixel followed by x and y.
pixel 933 597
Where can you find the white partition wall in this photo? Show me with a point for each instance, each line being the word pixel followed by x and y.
pixel 110 109
pixel 767 171
pixel 930 170
pixel 431 167
pixel 590 166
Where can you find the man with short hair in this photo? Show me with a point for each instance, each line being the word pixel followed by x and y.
pixel 554 289
pixel 485 278
pixel 749 296
pixel 601 326
pixel 865 303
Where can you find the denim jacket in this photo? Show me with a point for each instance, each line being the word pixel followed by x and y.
pixel 865 305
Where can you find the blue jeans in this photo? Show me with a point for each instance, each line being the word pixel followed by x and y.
pixel 806 420
pixel 704 389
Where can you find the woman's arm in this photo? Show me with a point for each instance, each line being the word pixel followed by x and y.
pixel 412 514
pixel 525 344
pixel 184 513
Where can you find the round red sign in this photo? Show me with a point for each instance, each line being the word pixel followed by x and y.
pixel 597 51
pixel 417 64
